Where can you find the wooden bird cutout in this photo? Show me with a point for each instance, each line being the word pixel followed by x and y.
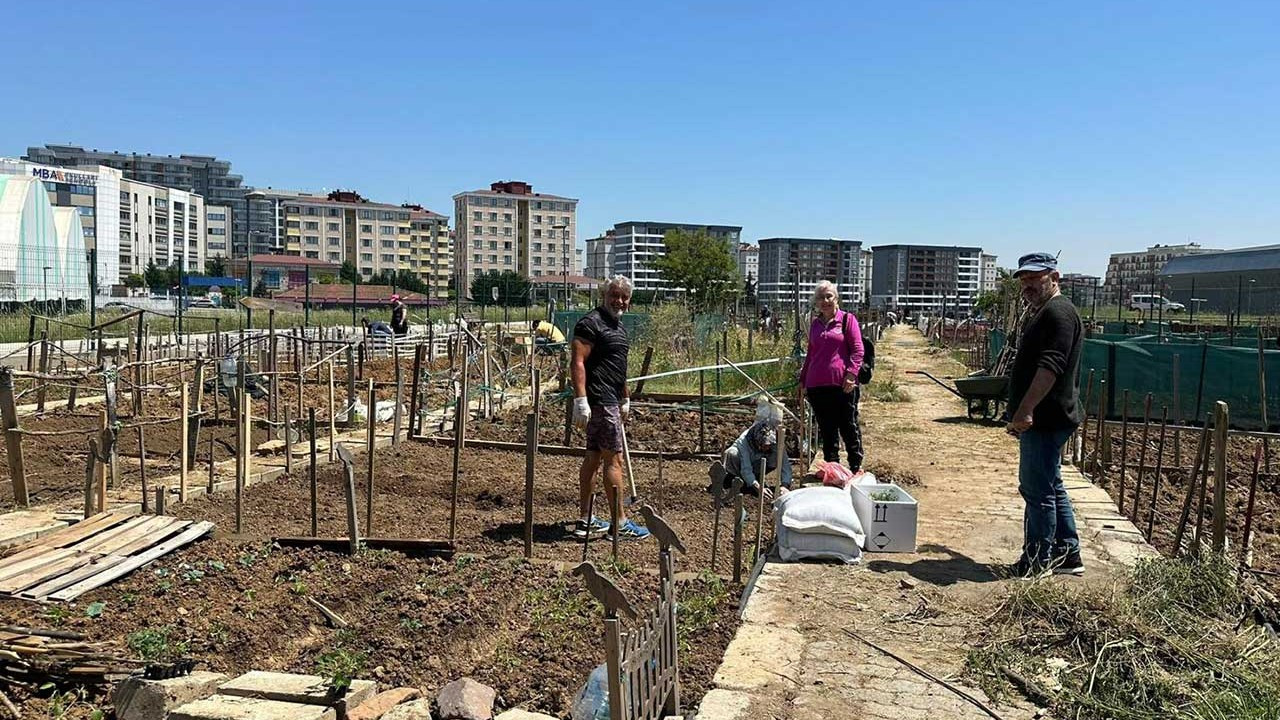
pixel 717 475
pixel 666 535
pixel 345 455
pixel 603 589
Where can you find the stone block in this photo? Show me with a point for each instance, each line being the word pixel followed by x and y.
pixel 518 714
pixel 382 703
pixel 234 707
pixel 415 710
pixel 721 704
pixel 759 656
pixel 466 699
pixel 136 698
pixel 288 687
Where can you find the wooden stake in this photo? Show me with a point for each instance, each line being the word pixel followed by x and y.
pixel 1220 422
pixel 288 440
pixel 1100 449
pixel 644 368
pixel 183 447
pixel 737 539
pixel 1177 409
pixel 531 451
pixel 1124 444
pixel 353 523
pixel 142 466
pixel 1079 448
pixel 101 479
pixel 1155 483
pixel 1246 544
pixel 162 494
pixel 88 478
pixel 1142 458
pixel 241 421
pixel 333 430
pixel 351 375
pixel 702 411
pixel 311 430
pixel 370 441
pixel 44 368
pixel 415 397
pixel 13 438
pixel 210 488
pixel 459 438
pixel 397 413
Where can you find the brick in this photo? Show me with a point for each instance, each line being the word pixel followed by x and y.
pixel 380 704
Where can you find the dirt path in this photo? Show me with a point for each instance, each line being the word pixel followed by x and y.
pixel 794 658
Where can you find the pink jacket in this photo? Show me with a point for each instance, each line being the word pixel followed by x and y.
pixel 833 353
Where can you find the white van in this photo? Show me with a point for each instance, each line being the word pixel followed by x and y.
pixel 1154 302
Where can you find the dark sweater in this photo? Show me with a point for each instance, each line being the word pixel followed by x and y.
pixel 1052 340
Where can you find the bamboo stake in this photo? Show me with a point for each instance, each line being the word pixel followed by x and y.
pixel 459 439
pixel 1079 448
pixel 311 427
pixel 241 421
pixel 142 466
pixel 101 479
pixel 88 478
pixel 531 451
pixel 288 440
pixel 397 412
pixel 1101 449
pixel 1220 422
pixel 1124 444
pixel 184 425
pixel 333 430
pixel 1247 543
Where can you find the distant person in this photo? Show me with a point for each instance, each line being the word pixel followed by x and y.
pixel 601 405
pixel 829 377
pixel 399 316
pixel 546 335
pixel 377 327
pixel 1044 411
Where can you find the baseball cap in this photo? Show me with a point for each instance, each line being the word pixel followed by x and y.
pixel 1036 262
pixel 394 298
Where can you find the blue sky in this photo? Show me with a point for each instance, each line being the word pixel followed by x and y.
pixel 1083 127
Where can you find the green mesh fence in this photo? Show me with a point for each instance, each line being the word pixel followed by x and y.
pixel 566 319
pixel 1207 371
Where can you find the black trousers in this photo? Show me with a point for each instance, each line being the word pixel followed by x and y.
pixel 837 414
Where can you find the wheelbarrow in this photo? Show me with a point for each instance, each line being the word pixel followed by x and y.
pixel 983 394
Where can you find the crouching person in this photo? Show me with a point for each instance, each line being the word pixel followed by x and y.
pixel 742 459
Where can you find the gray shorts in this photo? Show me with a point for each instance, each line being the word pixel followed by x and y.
pixel 604 429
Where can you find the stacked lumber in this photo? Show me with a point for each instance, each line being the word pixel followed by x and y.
pixel 32 657
pixel 66 564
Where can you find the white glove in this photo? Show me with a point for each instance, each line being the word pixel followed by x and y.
pixel 625 410
pixel 581 412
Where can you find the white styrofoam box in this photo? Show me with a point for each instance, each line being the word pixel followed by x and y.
pixel 890 526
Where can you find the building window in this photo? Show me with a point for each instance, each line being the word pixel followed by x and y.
pixel 332 227
pixel 537 218
pixel 477 257
pixel 386 229
pixel 367 257
pixel 493 259
pixel 388 257
pixel 537 260
pixel 493 244
pixel 388 243
pixel 313 226
pixel 506 217
pixel 477 230
pixel 366 242
pixel 366 214
pixel 477 243
pixel 506 246
pixel 477 215
pixel 564 221
pixel 335 212
pixel 334 241
pixel 537 233
pixel 506 231
pixel 335 257
pixel 366 228
pixel 537 247
pixel 313 240
pixel 493 217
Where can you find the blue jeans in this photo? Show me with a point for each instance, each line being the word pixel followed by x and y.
pixel 1049 523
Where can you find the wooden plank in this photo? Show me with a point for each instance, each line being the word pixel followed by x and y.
pixel 95 566
pixel 173 528
pixel 43 572
pixel 129 527
pixel 86 528
pixel 146 534
pixel 33 562
pixel 133 563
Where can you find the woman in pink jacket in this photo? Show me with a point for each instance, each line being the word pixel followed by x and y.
pixel 830 375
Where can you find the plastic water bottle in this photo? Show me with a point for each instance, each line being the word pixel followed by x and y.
pixel 592 701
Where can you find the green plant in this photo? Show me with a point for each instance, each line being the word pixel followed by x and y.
pixel 411 623
pixel 885 387
pixel 94 610
pixel 56 615
pixel 339 667
pixel 889 495
pixel 155 644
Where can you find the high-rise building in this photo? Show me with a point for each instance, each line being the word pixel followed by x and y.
pixel 94 193
pixel 990 274
pixel 160 225
pixel 1138 272
pixel 217 228
pixel 600 256
pixel 510 227
pixel 791 267
pixel 638 243
pixel 204 175
pixel 866 265
pixel 749 261
pixel 925 277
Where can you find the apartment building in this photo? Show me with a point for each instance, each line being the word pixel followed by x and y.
pixel 1131 272
pixel 791 267
pixel 748 256
pixel 94 194
pixel 217 229
pixel 511 227
pixel 637 243
pixel 431 249
pixel 600 256
pixel 160 225
pixel 203 175
pixel 990 274
pixel 916 278
pixel 865 266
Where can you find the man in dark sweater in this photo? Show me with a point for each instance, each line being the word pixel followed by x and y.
pixel 1044 409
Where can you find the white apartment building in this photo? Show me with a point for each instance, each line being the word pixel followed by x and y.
pixel 990 273
pixel 510 227
pixel 1138 272
pixel 217 230
pixel 600 256
pixel 749 261
pixel 160 225
pixel 637 243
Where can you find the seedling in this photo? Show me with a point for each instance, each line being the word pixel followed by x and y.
pixel 153 645
pixel 339 668
pixel 885 495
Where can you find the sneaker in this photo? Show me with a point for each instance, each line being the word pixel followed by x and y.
pixel 629 530
pixel 596 527
pixel 1069 564
pixel 1026 570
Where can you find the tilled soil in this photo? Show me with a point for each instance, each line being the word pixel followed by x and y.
pixel 412 499
pixel 528 630
pixel 1174 481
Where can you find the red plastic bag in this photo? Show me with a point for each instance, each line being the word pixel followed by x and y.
pixel 834 474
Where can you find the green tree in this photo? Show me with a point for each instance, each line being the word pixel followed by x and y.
pixel 701 264
pixel 134 281
pixel 513 288
pixel 216 266
pixel 155 276
pixel 749 289
pixel 349 273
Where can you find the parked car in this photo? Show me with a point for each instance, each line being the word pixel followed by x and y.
pixel 1154 302
pixel 200 302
